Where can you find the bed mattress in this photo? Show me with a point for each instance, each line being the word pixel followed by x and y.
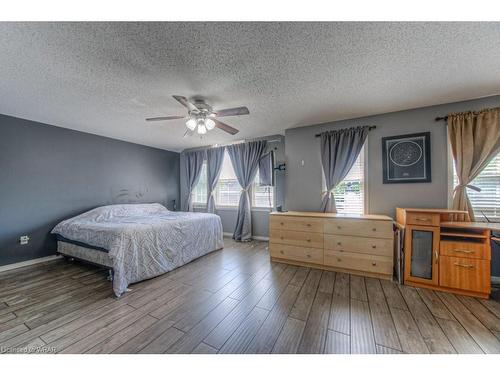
pixel 142 241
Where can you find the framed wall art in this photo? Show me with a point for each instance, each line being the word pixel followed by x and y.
pixel 407 158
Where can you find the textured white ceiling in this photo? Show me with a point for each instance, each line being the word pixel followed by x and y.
pixel 105 78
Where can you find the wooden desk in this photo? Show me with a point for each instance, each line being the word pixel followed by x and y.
pixel 443 250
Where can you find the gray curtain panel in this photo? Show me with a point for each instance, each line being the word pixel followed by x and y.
pixel 339 151
pixel 245 159
pixel 266 166
pixel 215 158
pixel 193 164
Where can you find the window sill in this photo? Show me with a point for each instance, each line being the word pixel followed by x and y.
pixel 232 208
pixel 235 208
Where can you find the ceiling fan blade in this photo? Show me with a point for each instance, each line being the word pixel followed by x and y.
pixel 237 111
pixel 187 133
pixel 186 103
pixel 164 118
pixel 225 127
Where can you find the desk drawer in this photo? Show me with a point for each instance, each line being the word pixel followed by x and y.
pixel 363 228
pixel 296 223
pixel 462 273
pixel 359 262
pixel 422 218
pixel 308 239
pixel 297 253
pixel 365 245
pixel 463 249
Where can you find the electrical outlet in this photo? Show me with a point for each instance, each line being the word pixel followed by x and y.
pixel 23 240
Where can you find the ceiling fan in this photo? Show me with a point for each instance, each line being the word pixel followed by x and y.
pixel 201 117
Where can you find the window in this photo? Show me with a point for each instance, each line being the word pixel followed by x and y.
pixel 262 196
pixel 228 190
pixel 487 200
pixel 200 191
pixel 350 193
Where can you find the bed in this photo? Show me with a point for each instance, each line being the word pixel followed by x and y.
pixel 138 241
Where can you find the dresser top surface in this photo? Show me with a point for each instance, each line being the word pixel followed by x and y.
pixel 433 210
pixel 332 215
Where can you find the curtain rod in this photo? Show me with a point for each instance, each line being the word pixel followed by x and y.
pixel 273 140
pixel 369 128
pixel 444 118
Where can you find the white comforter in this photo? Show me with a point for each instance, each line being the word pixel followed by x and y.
pixel 144 240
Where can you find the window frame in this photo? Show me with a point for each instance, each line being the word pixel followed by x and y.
pixel 229 207
pixel 366 201
pixel 200 205
pixel 451 185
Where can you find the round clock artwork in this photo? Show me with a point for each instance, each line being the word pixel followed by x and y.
pixel 406 153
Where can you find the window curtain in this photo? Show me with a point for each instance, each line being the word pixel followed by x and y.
pixel 215 158
pixel 339 151
pixel 245 159
pixel 193 164
pixel 475 140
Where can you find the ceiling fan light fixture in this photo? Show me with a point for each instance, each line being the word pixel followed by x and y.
pixel 202 129
pixel 191 124
pixel 209 124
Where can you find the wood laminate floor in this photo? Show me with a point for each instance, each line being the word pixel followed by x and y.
pixel 237 301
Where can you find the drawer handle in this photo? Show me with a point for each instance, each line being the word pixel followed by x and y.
pixel 464 265
pixel 308 255
pixel 339 260
pixel 374 246
pixel 308 240
pixel 463 251
pixel 282 223
pixel 374 229
pixel 421 219
pixel 341 250
pixel 281 252
pixel 374 263
pixel 339 243
pixel 308 224
pixel 282 237
pixel 339 227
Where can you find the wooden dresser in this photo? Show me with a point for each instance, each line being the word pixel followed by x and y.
pixel 443 250
pixel 358 244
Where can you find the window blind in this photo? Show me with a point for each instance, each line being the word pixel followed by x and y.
pixel 487 200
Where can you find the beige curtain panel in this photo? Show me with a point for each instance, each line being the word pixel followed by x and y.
pixel 475 140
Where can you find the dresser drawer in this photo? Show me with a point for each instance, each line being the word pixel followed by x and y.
pixel 359 262
pixel 297 253
pixel 422 218
pixel 292 223
pixel 308 239
pixel 365 245
pixel 462 273
pixel 363 228
pixel 462 249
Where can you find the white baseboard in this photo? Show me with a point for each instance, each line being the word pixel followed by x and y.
pixel 261 238
pixel 28 263
pixel 258 238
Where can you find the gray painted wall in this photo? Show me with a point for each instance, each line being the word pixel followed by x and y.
pixel 260 217
pixel 48 174
pixel 303 191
